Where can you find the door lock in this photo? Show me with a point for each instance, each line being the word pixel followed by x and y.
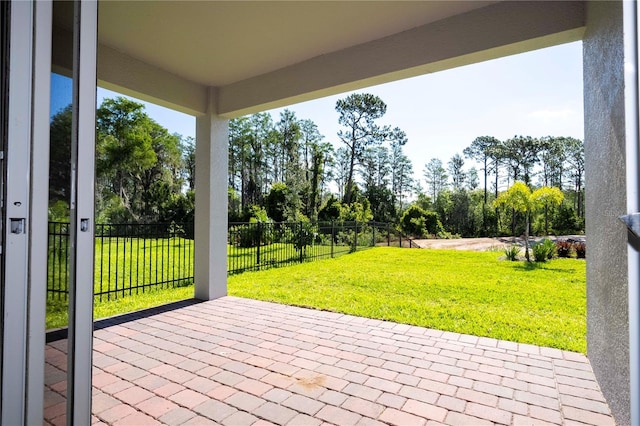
pixel 16 225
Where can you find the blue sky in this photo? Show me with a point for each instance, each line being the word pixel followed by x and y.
pixel 536 94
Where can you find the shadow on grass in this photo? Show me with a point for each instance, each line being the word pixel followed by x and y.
pixel 534 266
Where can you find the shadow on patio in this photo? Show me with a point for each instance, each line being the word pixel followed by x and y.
pixel 237 361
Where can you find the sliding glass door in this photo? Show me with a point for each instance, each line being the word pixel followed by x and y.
pixel 27 36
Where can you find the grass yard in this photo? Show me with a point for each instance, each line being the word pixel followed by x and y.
pixel 465 292
pixel 57 309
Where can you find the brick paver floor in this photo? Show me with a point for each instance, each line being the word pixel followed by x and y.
pixel 237 361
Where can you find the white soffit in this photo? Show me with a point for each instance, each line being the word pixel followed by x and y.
pixel 265 54
pixel 216 43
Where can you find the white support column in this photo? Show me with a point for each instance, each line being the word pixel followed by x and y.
pixel 212 151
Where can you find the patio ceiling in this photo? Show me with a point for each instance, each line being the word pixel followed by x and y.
pixel 265 54
pixel 233 41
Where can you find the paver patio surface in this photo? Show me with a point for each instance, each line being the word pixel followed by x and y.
pixel 236 361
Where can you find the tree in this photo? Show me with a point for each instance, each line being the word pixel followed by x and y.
pixel 458 176
pixel 188 148
pixel 472 179
pixel 419 222
pixel 553 158
pixel 575 158
pixel 483 149
pixel 358 113
pixel 520 198
pixel 60 156
pixel 124 151
pixel 276 202
pixel 436 177
pixel 522 154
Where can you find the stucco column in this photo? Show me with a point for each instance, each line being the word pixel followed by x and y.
pixel 212 134
pixel 605 182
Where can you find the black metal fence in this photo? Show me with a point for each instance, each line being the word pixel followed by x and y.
pixel 132 258
pixel 262 245
pixel 129 258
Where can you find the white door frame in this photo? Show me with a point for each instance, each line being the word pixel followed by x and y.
pixel 79 358
pixel 27 187
pixel 631 17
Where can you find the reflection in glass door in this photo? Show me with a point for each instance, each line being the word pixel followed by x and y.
pixel 71 203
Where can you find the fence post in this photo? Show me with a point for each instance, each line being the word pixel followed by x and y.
pixel 373 235
pixel 300 241
pixel 333 232
pixel 259 244
pixel 355 238
pixel 388 234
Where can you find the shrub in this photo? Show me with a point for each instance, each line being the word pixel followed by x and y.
pixel 511 252
pixel 581 250
pixel 563 248
pixel 304 235
pixel 419 222
pixel 543 250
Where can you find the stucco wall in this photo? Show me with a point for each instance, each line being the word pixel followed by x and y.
pixel 607 303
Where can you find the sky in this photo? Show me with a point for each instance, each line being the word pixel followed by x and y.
pixel 534 94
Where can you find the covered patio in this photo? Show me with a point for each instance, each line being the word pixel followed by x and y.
pixel 236 361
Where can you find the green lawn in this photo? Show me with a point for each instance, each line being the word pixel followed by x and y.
pixel 466 292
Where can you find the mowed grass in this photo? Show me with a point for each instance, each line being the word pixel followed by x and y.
pixel 466 292
pixel 57 310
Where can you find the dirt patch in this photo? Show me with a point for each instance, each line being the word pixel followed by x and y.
pixel 472 244
pixel 483 244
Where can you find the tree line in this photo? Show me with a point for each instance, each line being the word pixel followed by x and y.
pixel 285 170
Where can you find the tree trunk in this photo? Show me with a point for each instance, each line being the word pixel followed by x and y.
pixel 526 239
pixel 348 190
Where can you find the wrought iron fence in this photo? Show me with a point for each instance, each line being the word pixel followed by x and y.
pixel 129 258
pixel 261 245
pixel 132 258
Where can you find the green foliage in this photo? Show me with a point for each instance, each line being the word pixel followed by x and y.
pixel 517 197
pixel 418 222
pixel 520 198
pixel 276 202
pixel 140 166
pixel 566 221
pixel 356 212
pixel 60 155
pixel 382 203
pixel 463 292
pixel 255 234
pixel 304 235
pixel 59 211
pixel 331 210
pixel 544 250
pixel 512 252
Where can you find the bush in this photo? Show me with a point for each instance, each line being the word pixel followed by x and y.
pixel 563 248
pixel 511 252
pixel 304 235
pixel 581 250
pixel 418 222
pixel 543 250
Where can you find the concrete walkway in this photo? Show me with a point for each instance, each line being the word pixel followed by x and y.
pixel 237 361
